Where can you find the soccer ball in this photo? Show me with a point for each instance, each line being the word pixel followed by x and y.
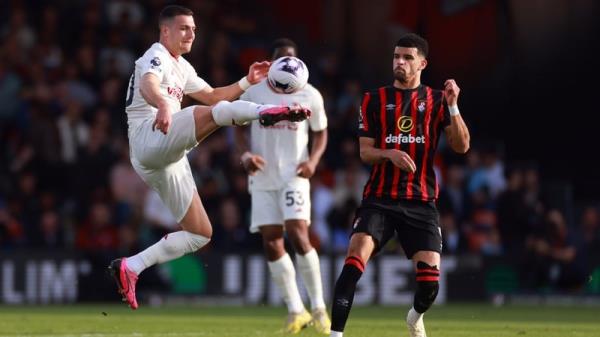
pixel 287 75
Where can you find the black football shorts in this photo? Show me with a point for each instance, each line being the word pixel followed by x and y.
pixel 414 222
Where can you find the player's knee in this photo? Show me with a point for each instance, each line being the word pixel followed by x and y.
pixel 273 248
pixel 196 241
pixel 183 242
pixel 300 242
pixel 353 269
pixel 427 286
pixel 200 230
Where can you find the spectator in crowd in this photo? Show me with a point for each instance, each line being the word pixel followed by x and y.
pixel 555 259
pixel 230 235
pixel 490 173
pixel 589 225
pixel 51 231
pixel 515 215
pixel 480 229
pixel 10 87
pixel 452 192
pixel 98 233
pixel 453 240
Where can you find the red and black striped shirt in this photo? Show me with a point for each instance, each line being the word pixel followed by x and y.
pixel 409 120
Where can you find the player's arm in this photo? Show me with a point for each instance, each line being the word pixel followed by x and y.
pixel 209 95
pixel 307 168
pixel 251 162
pixel 150 90
pixel 457 132
pixel 370 154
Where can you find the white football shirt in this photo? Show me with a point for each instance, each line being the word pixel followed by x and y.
pixel 285 144
pixel 177 78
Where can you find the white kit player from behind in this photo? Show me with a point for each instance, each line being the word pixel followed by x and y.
pixel 279 166
pixel 161 134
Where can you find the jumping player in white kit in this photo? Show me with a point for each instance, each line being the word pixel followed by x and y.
pixel 161 134
pixel 279 166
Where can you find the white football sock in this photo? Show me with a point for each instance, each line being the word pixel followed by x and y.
pixel 310 270
pixel 336 334
pixel 170 247
pixel 284 276
pixel 413 316
pixel 235 113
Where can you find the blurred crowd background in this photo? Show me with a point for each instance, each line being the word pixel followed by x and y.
pixel 522 191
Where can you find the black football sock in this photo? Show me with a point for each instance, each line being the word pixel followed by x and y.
pixel 344 292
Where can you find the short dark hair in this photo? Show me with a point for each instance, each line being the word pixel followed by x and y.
pixel 172 11
pixel 283 43
pixel 412 40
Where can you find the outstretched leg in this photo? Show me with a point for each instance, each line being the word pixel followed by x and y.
pixel 241 112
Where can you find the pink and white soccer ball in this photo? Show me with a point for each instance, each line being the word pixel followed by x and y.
pixel 287 75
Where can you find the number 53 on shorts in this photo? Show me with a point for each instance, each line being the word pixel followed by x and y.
pixel 274 207
pixel 295 203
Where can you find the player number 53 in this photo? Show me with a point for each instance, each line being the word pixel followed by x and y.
pixel 291 200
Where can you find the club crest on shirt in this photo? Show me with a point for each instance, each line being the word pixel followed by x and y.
pixel 155 64
pixel 421 106
pixel 155 61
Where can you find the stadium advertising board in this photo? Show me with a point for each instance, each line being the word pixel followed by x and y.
pixel 51 277
pixel 68 277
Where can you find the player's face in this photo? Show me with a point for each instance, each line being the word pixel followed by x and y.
pixel 407 64
pixel 180 33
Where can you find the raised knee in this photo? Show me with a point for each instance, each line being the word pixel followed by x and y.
pixel 427 286
pixel 196 241
pixel 201 230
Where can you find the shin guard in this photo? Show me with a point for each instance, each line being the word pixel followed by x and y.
pixel 427 286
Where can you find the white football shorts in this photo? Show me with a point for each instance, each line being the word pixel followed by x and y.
pixel 273 207
pixel 161 160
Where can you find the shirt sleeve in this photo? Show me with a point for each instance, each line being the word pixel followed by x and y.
pixel 366 122
pixel 318 119
pixel 193 83
pixel 155 63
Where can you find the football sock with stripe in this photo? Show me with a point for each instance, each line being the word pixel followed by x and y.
pixel 344 292
pixel 427 286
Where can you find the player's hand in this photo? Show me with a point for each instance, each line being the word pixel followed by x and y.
pixel 401 160
pixel 258 71
pixel 451 91
pixel 162 121
pixel 252 162
pixel 306 169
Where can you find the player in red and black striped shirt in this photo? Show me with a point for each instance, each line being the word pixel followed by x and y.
pixel 399 129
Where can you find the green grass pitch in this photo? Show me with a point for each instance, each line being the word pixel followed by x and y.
pixel 465 320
